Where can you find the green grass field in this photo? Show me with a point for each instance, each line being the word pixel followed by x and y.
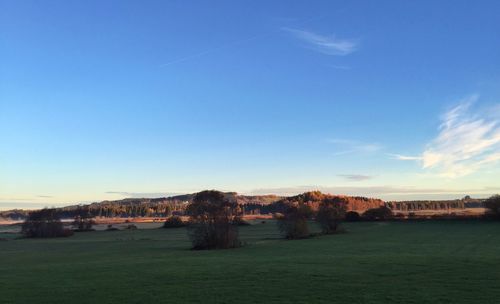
pixel 394 262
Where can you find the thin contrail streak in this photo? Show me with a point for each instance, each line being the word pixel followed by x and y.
pixel 223 46
pixel 229 44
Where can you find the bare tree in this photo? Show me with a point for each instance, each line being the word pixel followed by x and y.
pixel 83 220
pixel 293 222
pixel 330 214
pixel 493 206
pixel 212 221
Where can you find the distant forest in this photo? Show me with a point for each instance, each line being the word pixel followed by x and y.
pixel 249 205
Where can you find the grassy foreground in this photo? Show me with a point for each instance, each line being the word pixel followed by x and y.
pixel 426 262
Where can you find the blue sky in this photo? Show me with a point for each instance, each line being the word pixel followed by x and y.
pixel 111 99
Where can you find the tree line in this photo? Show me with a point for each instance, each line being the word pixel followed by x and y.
pixel 214 218
pixel 249 205
pixel 165 207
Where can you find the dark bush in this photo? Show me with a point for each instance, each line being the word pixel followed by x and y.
pixel 241 222
pixel 352 216
pixel 44 223
pixel 493 206
pixel 330 214
pixel 399 215
pixel 278 215
pixel 111 228
pixel 293 223
pixel 174 222
pixel 211 218
pixel 67 232
pixel 378 214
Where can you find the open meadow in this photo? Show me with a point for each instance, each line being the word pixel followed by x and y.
pixel 374 262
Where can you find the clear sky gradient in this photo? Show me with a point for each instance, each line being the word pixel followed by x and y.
pixel 111 99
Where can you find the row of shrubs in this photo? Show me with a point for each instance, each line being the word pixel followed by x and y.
pixel 46 223
pixel 177 222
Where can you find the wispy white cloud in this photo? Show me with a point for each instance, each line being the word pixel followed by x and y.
pixel 346 146
pixel 468 141
pixel 340 67
pixel 143 194
pixel 356 177
pixel 31 198
pixel 329 45
pixel 404 157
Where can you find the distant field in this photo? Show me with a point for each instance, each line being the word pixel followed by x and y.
pixel 460 212
pixel 393 262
